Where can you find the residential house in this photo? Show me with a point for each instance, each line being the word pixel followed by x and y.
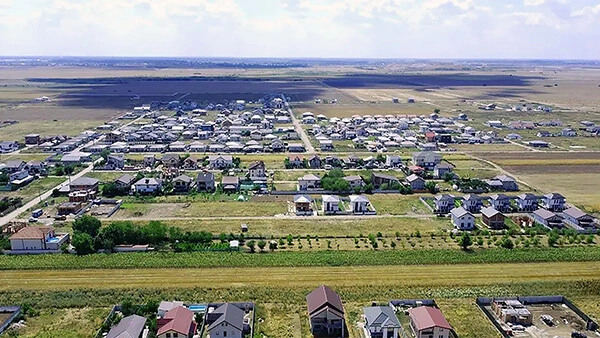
pixel 360 204
pixel 493 218
pixel 177 323
pixel 554 202
pixel 149 161
pixel 148 185
pixel 381 322
pixel 547 218
pixel 36 168
pixel 462 219
pixel 182 183
pixel 166 306
pixel 355 181
pixel 124 182
pixel 205 181
pixel 32 139
pixel 416 183
pixel 309 182
pixel 295 147
pixel 84 183
pixel 568 132
pixel 440 170
pixel 114 162
pixel 303 205
pixel 257 171
pixel 8 146
pixel 505 183
pixel 129 327
pixel 331 204
pixel 230 183
pixel 296 161
pixel 500 202
pixel 20 178
pixel 37 238
pixel 393 161
pixel 192 163
pixel 227 321
pixel 14 166
pixel 426 159
pixel 379 179
pixel 579 219
pixel 472 203
pixel 171 161
pixel 314 162
pixel 429 322
pixel 326 313
pixel 443 203
pixel 220 161
pixel 527 202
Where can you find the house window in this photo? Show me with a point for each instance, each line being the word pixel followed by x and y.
pixel 175 335
pixel 168 335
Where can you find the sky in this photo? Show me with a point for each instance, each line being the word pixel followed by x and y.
pixel 514 29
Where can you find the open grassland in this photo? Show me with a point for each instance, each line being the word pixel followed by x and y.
pixel 579 189
pixel 66 322
pixel 24 156
pixel 398 204
pixel 35 188
pixel 406 276
pixel 202 209
pixel 107 176
pixel 322 227
pixel 300 259
pixel 17 132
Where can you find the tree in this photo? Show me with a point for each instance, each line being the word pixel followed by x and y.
pixel 4 178
pixel 104 154
pixel 465 241
pixel 507 243
pixel 437 110
pixel 272 246
pixel 88 225
pixel 110 190
pixel 552 238
pixel 431 187
pixel 252 246
pixel 83 243
pixel 262 244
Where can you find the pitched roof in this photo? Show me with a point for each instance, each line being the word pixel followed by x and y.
pixel 413 178
pixel 302 199
pixel 384 176
pixel 444 197
pixel 231 315
pixel 126 179
pixel 256 164
pixel 230 180
pixel 129 327
pixel 490 212
pixel 575 213
pixel 359 198
pixel 459 212
pixel 331 198
pixel 310 177
pixel 497 197
pixel 383 316
pixel 545 214
pixel 148 181
pixel 85 181
pixel 206 176
pixel 554 196
pixel 471 197
pixel 321 297
pixel 527 197
pixel 353 178
pixel 184 178
pixel 425 317
pixel 32 232
pixel 180 321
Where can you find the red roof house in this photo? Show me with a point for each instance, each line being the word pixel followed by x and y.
pixel 427 321
pixel 178 320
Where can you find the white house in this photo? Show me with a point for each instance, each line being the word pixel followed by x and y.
pixel 417 183
pixel 381 322
pixel 462 219
pixel 8 146
pixel 257 171
pixel 220 161
pixel 426 159
pixel 37 238
pixel 331 204
pixel 360 204
pixel 148 185
pixel 309 182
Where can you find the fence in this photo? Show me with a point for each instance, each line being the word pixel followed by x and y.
pixel 16 311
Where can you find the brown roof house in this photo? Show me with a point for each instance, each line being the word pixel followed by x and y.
pixel 427 322
pixel 493 218
pixel 230 183
pixel 37 238
pixel 326 313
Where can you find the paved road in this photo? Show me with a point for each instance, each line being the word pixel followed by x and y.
pixel 298 126
pixel 13 215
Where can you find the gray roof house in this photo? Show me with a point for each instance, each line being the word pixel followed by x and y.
pixel 381 321
pixel 205 181
pixel 129 327
pixel 462 219
pixel 229 321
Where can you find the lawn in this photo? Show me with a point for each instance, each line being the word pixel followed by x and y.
pixel 322 227
pixel 579 188
pixel 24 156
pixel 392 204
pixel 201 209
pixel 64 323
pixel 35 188
pixel 71 127
pixel 107 176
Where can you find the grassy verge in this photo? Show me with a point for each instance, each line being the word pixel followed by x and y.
pixel 298 259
